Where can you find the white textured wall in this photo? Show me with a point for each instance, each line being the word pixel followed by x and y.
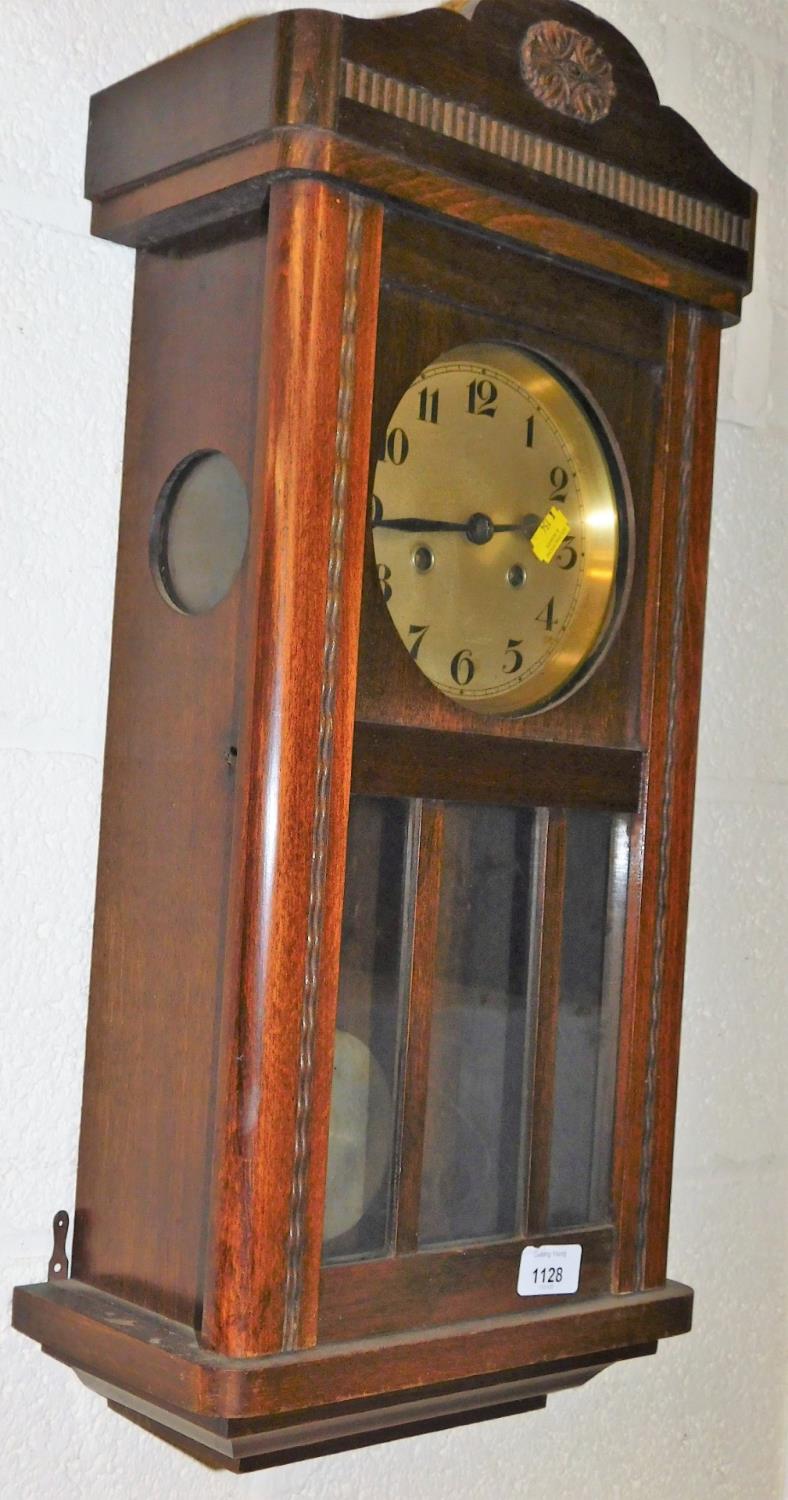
pixel 702 1421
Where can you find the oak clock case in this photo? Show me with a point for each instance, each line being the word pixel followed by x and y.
pixel 394 854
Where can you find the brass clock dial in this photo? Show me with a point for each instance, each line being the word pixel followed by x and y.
pixel 501 529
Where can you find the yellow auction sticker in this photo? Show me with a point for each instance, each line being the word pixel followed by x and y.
pixel 550 534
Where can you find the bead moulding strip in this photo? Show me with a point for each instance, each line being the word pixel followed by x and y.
pixel 295 1243
pixel 472 127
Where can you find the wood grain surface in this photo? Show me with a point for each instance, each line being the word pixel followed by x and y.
pixel 293 772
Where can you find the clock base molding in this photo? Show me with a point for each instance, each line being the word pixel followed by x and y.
pixel 243 1449
pixel 245 1414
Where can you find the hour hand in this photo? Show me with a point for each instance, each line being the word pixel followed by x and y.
pixel 416 524
pixel 420 523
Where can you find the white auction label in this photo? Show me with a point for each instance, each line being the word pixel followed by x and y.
pixel 549 1270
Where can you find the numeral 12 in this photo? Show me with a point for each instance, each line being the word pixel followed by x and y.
pixel 482 396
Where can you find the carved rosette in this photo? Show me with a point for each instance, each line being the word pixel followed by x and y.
pixel 567 71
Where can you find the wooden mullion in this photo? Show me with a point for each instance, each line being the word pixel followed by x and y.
pixel 416 1053
pixel 610 1012
pixel 547 918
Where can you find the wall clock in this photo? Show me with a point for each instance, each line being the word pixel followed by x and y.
pixel 383 1029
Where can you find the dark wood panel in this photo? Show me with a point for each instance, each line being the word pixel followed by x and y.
pixel 172 112
pixel 440 1287
pixel 390 761
pixel 169 787
pixel 431 258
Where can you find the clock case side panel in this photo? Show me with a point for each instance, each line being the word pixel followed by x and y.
pixel 211 1023
pixel 167 800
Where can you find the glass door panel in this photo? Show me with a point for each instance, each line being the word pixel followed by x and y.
pixel 597 851
pixel 374 973
pixel 477 1025
pixel 474 1140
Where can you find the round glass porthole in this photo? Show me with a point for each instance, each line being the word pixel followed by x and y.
pixel 200 530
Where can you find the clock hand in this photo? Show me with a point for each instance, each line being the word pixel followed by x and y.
pixel 478 529
pixel 481 529
pixel 419 524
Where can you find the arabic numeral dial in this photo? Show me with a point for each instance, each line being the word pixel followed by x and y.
pixel 499 524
